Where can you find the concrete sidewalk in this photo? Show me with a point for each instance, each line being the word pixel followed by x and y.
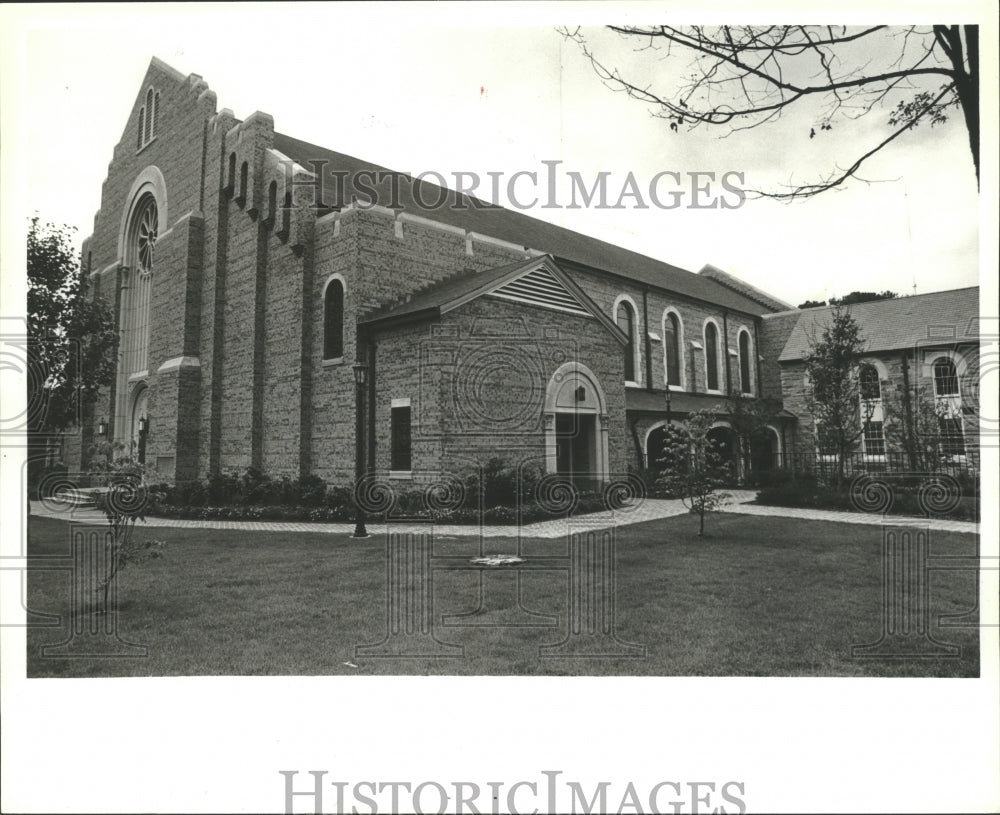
pixel 649 510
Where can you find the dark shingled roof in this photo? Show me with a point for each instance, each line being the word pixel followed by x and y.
pixel 512 226
pixel 894 324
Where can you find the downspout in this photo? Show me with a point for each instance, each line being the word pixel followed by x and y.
pixel 757 355
pixel 372 346
pixel 725 353
pixel 909 431
pixel 649 344
pixel 641 458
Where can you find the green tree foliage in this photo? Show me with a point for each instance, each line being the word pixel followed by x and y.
pixel 912 423
pixel 862 297
pixel 72 338
pixel 833 396
pixel 850 299
pixel 749 418
pixel 693 467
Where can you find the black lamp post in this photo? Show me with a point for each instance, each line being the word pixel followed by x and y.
pixel 666 398
pixel 143 436
pixel 360 381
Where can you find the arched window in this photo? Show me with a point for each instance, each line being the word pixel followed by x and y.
pixel 333 319
pixel 873 432
pixel 871 388
pixel 626 322
pixel 945 377
pixel 149 116
pixel 272 203
pixel 711 356
pixel 949 407
pixel 746 383
pixel 241 193
pixel 231 175
pixel 286 217
pixel 672 348
pixel 149 119
pixel 136 294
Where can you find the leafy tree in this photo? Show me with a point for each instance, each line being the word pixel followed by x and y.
pixel 742 77
pixel 834 396
pixel 912 423
pixel 862 297
pixel 812 304
pixel 693 466
pixel 72 339
pixel 749 418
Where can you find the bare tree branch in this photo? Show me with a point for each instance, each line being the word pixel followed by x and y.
pixel 742 77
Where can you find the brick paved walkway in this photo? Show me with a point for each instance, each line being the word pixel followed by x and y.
pixel 652 509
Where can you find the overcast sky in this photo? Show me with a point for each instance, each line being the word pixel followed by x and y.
pixel 418 97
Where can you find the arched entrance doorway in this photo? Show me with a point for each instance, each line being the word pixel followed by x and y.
pixel 723 442
pixel 765 451
pixel 576 426
pixel 657 451
pixel 139 424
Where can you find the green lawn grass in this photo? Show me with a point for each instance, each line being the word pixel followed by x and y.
pixel 755 597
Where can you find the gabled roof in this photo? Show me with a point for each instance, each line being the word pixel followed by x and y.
pixel 894 324
pixel 537 281
pixel 515 227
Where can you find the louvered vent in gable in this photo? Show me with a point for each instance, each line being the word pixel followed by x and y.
pixel 541 288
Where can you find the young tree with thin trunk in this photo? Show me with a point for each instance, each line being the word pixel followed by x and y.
pixel 834 395
pixel 694 468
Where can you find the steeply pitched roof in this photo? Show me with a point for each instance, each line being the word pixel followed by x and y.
pixel 893 324
pixel 768 301
pixel 509 225
pixel 460 288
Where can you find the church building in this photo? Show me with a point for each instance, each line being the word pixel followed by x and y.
pixel 270 307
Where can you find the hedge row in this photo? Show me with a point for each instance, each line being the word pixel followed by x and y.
pixel 497 515
pixel 788 490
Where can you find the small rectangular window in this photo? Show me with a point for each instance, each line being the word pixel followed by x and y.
pixel 400 441
pixel 874 439
pixel 952 439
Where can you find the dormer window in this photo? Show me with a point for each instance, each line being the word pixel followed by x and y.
pixel 149 119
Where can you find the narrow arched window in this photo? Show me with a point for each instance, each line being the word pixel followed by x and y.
pixel 872 429
pixel 156 113
pixel 333 320
pixel 241 193
pixel 231 175
pixel 945 377
pixel 626 322
pixel 711 357
pixel 671 345
pixel 142 123
pixel 286 217
pixel 745 383
pixel 871 388
pixel 272 202
pixel 149 115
